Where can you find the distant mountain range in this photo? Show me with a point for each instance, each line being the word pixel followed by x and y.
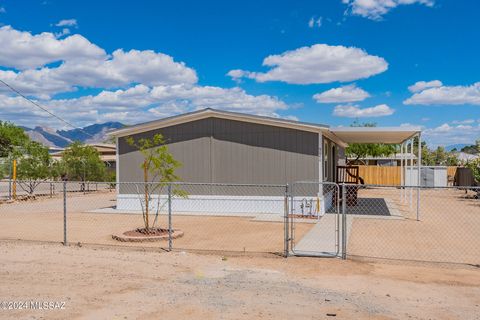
pixel 95 133
pixel 456 146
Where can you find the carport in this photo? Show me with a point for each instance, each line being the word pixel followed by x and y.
pixel 404 136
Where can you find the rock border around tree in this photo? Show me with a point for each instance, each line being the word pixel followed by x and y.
pixel 137 235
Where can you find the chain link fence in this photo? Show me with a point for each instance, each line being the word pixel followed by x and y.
pixel 304 218
pixel 440 224
pixel 315 219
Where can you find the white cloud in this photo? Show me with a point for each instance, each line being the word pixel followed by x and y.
pixel 446 134
pixel 136 85
pixel 467 121
pixel 375 9
pixel 238 74
pixel 354 111
pixel 234 99
pixel 82 64
pixel 422 85
pixel 44 48
pixel 350 93
pixel 315 22
pixel 137 104
pixel 64 32
pixel 319 63
pixel 447 95
pixel 67 23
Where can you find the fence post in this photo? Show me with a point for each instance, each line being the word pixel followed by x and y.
pixel 170 244
pixel 64 213
pixel 10 181
pixel 419 173
pixel 286 239
pixel 344 221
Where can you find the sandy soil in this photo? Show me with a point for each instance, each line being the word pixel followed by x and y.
pixel 447 231
pixel 42 220
pixel 114 283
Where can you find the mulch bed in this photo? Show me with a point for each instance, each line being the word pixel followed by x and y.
pixel 142 235
pixel 300 216
pixel 142 232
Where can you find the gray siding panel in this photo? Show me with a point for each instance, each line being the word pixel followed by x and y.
pixel 226 151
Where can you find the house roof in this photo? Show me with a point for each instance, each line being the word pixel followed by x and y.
pixel 207 113
pixel 391 135
pixel 104 149
pixel 466 157
pixel 341 136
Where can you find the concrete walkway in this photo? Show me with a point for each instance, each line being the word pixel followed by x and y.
pixel 321 239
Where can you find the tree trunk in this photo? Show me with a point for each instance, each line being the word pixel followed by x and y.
pixel 145 178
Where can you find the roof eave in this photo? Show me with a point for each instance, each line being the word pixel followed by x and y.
pixel 198 115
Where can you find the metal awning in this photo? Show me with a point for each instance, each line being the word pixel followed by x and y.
pixel 394 135
pixel 391 135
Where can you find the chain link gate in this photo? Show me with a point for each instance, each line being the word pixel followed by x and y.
pixel 314 219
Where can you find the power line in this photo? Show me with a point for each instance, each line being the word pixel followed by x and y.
pixel 43 108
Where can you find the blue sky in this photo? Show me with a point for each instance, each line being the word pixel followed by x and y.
pixel 330 61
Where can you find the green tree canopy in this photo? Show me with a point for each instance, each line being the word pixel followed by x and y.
pixel 158 161
pixel 81 162
pixel 475 167
pixel 362 150
pixel 11 136
pixel 473 149
pixel 158 166
pixel 437 157
pixel 33 166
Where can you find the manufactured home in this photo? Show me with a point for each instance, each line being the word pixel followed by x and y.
pixel 221 147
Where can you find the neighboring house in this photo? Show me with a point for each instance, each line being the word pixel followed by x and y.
pixel 386 161
pixel 465 158
pixel 234 148
pixel 107 153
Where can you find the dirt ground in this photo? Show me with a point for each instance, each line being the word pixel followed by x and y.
pixel 42 220
pixel 447 231
pixel 115 283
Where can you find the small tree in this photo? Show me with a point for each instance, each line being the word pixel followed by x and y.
pixel 81 162
pixel 159 168
pixel 33 166
pixel 474 165
pixel 11 136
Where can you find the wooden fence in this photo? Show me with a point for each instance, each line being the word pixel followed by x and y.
pixel 380 175
pixel 388 175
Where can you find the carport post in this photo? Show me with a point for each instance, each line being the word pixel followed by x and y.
pixel 402 178
pixel 410 155
pixel 285 223
pixel 419 167
pixel 344 221
pixel 64 213
pixel 170 244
